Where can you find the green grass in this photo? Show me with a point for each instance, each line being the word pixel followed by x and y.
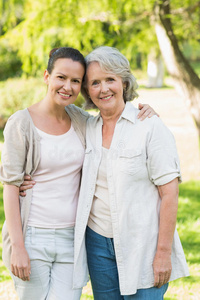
pixel 86 297
pixel 1 135
pixel 188 225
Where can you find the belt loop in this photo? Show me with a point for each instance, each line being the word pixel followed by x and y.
pixel 32 235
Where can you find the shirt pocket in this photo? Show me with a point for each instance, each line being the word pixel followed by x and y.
pixel 130 161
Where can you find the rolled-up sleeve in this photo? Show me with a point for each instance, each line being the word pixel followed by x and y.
pixel 13 153
pixel 163 161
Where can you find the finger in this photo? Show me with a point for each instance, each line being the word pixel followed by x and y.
pixel 12 269
pixel 144 116
pixel 144 112
pixel 27 272
pixel 143 106
pixel 151 114
pixel 21 273
pixel 26 186
pixel 15 271
pixel 167 277
pixel 22 194
pixel 156 279
pixel 140 105
pixel 161 279
pixel 141 112
pixel 27 177
pixel 27 182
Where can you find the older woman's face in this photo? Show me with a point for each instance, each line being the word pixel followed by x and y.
pixel 105 89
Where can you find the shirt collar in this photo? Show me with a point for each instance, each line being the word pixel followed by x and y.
pixel 129 113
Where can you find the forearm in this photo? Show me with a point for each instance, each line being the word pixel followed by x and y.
pixel 169 204
pixel 168 214
pixel 12 214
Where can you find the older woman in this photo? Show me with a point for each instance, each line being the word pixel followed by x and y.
pixel 129 193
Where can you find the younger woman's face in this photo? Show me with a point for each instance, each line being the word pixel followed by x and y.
pixel 64 82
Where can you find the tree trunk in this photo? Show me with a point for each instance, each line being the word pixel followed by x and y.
pixel 155 70
pixel 186 80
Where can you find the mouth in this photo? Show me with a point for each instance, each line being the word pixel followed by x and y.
pixel 106 98
pixel 65 96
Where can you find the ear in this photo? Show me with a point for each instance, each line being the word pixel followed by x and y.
pixel 124 86
pixel 46 77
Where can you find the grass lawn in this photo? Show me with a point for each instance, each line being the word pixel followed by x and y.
pixel 188 225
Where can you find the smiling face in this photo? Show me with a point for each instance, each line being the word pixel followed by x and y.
pixel 105 89
pixel 64 82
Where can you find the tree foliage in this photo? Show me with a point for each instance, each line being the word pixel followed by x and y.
pixel 29 29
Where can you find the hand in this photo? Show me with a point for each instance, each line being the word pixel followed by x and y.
pixel 162 268
pixel 146 111
pixel 20 263
pixel 26 185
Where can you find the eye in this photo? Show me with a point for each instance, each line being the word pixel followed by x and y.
pixel 95 82
pixel 61 77
pixel 76 80
pixel 110 79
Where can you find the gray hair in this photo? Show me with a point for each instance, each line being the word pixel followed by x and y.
pixel 111 61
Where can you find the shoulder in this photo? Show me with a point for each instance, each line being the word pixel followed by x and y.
pixel 19 119
pixel 74 110
pixel 152 122
pixel 20 116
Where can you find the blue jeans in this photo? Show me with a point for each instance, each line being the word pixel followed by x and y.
pixel 104 275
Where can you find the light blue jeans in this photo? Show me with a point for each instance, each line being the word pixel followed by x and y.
pixel 51 252
pixel 104 275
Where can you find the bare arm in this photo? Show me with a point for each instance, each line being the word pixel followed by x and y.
pixel 20 262
pixel 168 212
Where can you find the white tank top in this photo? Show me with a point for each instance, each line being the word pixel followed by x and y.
pixel 55 194
pixel 100 218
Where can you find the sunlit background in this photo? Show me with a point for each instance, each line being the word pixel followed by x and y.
pixel 162 43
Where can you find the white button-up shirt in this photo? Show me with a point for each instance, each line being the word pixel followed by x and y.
pixel 142 155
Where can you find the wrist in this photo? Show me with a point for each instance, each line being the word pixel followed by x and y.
pixel 17 245
pixel 164 249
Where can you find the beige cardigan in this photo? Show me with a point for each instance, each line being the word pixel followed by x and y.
pixel 21 155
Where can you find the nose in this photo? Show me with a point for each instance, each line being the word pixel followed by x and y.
pixel 104 87
pixel 67 85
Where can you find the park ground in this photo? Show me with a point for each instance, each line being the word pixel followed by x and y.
pixel 173 111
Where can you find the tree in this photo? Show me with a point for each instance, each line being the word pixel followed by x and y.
pixel 125 24
pixel 186 80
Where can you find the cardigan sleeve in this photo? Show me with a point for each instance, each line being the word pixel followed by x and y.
pixel 163 161
pixel 14 152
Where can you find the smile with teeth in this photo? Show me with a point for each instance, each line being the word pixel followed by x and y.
pixel 64 95
pixel 106 98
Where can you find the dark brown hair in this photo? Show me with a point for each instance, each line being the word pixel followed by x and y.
pixel 64 52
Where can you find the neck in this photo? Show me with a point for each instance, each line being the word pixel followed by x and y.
pixel 52 110
pixel 112 116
